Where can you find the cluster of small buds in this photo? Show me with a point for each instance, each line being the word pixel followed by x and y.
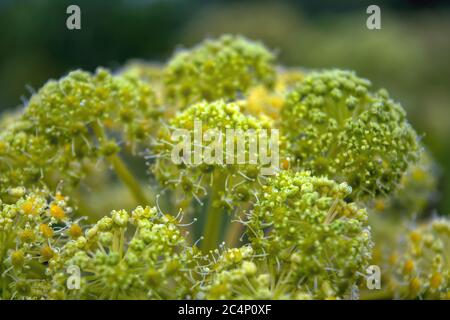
pixel 336 127
pixel 305 225
pixel 142 255
pixel 33 230
pixel 223 68
pixel 303 232
pixel 236 274
pixel 62 126
pixel 418 267
pixel 235 182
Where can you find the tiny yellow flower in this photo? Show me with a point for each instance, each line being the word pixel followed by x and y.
pixel 57 212
pixel 46 231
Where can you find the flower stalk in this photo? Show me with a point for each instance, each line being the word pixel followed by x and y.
pixel 121 169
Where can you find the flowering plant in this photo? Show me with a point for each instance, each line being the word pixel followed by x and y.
pixel 209 228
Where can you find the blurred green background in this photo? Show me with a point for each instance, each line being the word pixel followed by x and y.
pixel 408 56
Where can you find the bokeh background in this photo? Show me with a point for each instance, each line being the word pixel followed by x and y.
pixel 409 56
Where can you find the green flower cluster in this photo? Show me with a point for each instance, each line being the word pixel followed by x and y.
pixel 419 265
pixel 223 68
pixel 302 233
pixel 305 221
pixel 337 127
pixel 233 181
pixel 213 169
pixel 142 255
pixel 33 230
pixel 64 123
pixel 237 274
pixel 266 102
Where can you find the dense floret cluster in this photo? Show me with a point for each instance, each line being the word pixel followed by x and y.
pixel 305 221
pixel 128 256
pixel 224 68
pixel 209 220
pixel 33 229
pixel 418 264
pixel 64 126
pixel 337 127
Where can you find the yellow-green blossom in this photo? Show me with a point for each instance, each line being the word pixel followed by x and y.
pixel 142 255
pixel 419 266
pixel 307 222
pixel 64 125
pixel 337 127
pixel 233 181
pixel 33 230
pixel 223 68
pixel 236 274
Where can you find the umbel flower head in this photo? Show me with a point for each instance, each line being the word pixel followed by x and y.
pixel 305 225
pixel 142 255
pixel 233 181
pixel 303 233
pixel 63 126
pixel 33 230
pixel 419 267
pixel 222 68
pixel 338 128
pixel 237 274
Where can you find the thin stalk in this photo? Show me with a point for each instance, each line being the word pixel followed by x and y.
pixel 236 228
pixel 128 179
pixel 122 170
pixel 234 232
pixel 211 230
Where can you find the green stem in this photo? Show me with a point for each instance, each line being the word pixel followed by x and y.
pixel 234 233
pixel 122 170
pixel 128 179
pixel 236 228
pixel 377 295
pixel 211 230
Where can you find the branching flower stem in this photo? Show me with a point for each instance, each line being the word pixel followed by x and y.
pixel 122 170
